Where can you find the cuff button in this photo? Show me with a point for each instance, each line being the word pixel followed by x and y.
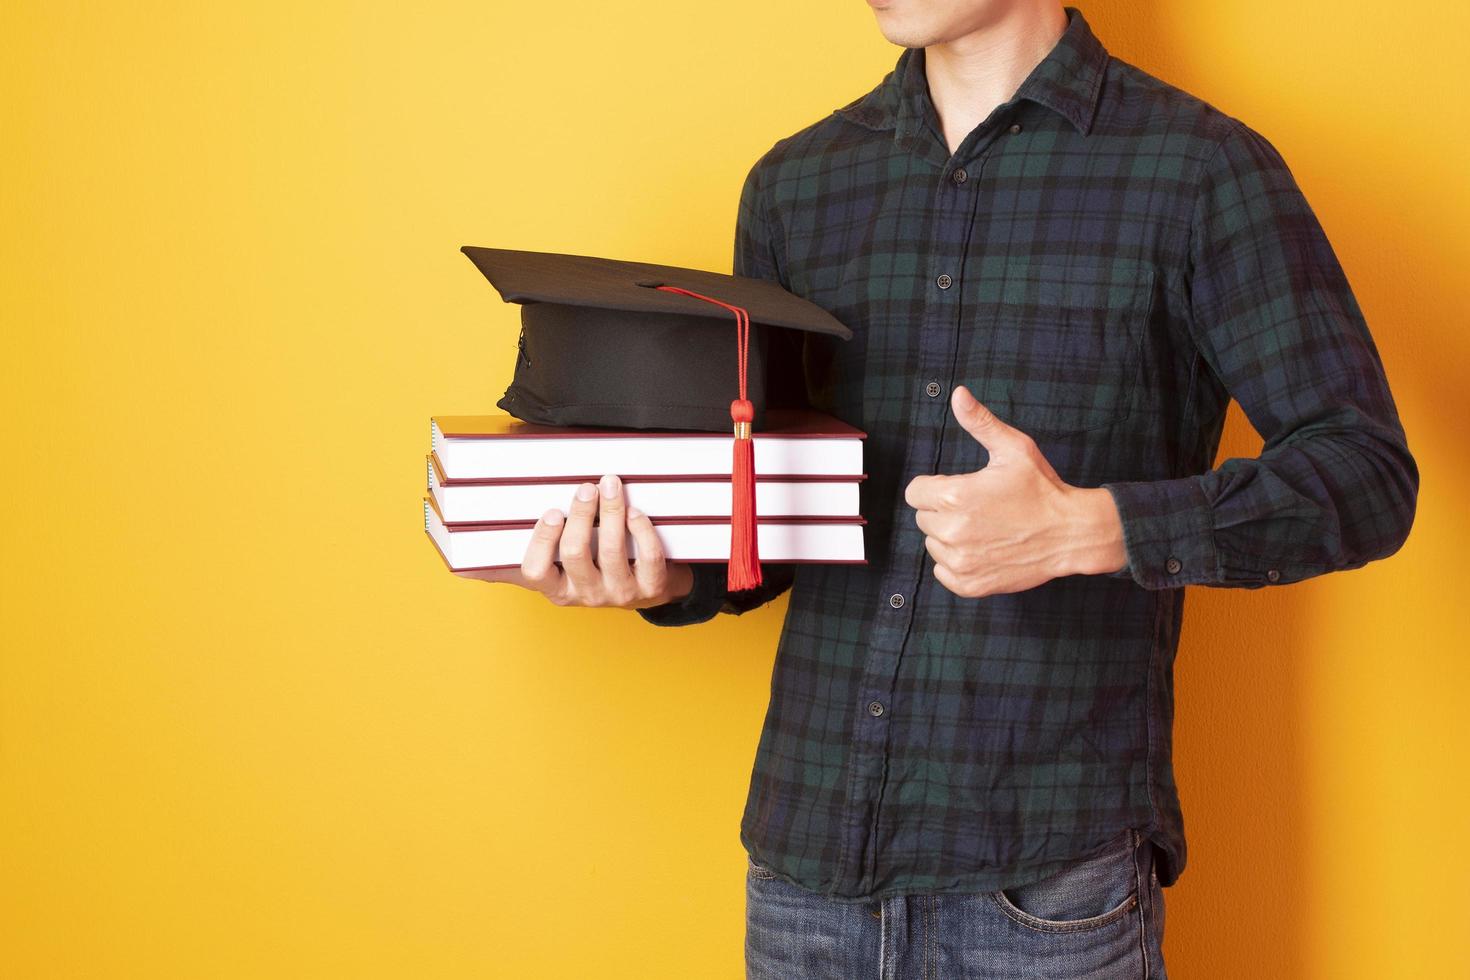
pixel 1173 565
pixel 1273 575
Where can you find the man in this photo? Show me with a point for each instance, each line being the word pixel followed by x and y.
pixel 1058 270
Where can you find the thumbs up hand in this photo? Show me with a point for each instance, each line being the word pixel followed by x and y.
pixel 1013 524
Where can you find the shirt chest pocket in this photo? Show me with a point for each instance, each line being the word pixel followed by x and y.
pixel 1057 348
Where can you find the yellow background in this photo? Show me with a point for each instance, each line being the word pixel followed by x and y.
pixel 251 727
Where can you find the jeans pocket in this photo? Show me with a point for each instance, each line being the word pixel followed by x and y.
pixel 758 871
pixel 1086 894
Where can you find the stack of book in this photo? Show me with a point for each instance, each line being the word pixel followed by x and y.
pixel 490 477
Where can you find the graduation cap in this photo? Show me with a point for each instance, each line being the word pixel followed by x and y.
pixel 608 342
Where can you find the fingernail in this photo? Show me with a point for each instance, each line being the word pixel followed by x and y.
pixel 586 492
pixel 609 486
pixel 553 517
pixel 634 513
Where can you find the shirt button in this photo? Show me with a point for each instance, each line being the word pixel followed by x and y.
pixel 944 281
pixel 932 389
pixel 896 601
pixel 1173 565
pixel 1273 575
pixel 958 175
pixel 1015 127
pixel 875 708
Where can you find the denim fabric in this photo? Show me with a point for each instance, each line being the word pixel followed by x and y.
pixel 1098 918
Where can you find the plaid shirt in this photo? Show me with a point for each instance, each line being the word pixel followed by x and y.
pixel 1105 261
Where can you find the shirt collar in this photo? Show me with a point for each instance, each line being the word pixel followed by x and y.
pixel 1066 80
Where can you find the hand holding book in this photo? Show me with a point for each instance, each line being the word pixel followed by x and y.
pixel 610 580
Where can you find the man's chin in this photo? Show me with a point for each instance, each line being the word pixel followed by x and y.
pixel 903 34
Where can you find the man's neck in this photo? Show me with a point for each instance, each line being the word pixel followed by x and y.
pixel 970 75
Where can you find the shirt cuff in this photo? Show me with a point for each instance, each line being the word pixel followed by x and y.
pixel 1168 533
pixel 701 604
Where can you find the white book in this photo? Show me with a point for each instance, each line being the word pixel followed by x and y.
pixel 778 540
pixel 478 501
pixel 792 443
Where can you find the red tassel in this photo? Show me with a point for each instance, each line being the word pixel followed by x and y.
pixel 745 563
pixel 744 570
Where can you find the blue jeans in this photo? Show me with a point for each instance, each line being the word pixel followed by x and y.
pixel 1099 918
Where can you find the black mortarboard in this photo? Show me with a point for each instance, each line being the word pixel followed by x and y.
pixel 635 345
pixel 601 345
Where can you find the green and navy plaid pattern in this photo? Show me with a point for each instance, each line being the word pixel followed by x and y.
pixel 1105 261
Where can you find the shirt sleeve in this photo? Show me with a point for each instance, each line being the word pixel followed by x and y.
pixel 1272 315
pixel 755 256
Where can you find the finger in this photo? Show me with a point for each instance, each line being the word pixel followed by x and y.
pixel 511 575
pixel 538 565
pixel 935 523
pixel 612 543
pixel 970 586
pixel 576 544
pixel 946 530
pixel 649 568
pixel 922 492
pixel 942 553
pixel 951 581
pixel 980 422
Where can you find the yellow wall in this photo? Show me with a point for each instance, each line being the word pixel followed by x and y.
pixel 250 726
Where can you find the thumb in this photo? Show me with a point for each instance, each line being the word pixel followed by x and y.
pixel 980 421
